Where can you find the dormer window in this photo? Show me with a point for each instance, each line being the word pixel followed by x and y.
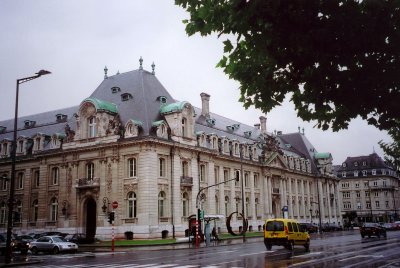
pixel 115 90
pixel 356 164
pixel 364 163
pixel 230 128
pixel 162 100
pixel 211 121
pixel 61 117
pixel 29 123
pixel 184 127
pixel 92 127
pixel 344 165
pixel 126 97
pixel 247 134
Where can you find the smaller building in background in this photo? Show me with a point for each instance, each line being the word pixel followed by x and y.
pixel 369 188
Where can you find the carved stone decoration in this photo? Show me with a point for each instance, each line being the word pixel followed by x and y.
pixel 70 134
pixel 129 188
pixel 109 179
pixel 271 145
pixel 115 127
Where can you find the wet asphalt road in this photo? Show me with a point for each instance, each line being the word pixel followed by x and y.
pixel 338 249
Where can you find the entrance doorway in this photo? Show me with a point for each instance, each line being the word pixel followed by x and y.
pixel 90 219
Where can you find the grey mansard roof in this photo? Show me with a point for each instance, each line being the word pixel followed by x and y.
pixel 143 104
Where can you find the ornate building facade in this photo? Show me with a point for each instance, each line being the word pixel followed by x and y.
pixel 369 188
pixel 131 142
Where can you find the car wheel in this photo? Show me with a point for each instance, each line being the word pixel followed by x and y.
pixel 34 250
pixel 56 250
pixel 307 245
pixel 290 245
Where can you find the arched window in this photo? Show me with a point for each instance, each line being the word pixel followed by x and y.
pixel 35 210
pixel 53 209
pixel 246 179
pixel 132 167
pixel 3 214
pixel 161 204
pixel 226 205
pixel 226 146
pixel 132 206
pixel 236 149
pixel 90 171
pixel 92 127
pixel 161 167
pixel 184 127
pixel 55 173
pixel 185 204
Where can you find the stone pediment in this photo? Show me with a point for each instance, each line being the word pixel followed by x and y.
pixel 276 160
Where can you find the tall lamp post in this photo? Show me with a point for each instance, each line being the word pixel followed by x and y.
pixel 8 256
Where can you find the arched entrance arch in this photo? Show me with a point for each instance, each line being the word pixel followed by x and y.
pixel 89 217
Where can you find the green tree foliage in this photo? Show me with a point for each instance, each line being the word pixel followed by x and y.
pixel 392 150
pixel 336 59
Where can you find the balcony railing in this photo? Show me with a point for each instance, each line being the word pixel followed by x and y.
pixel 87 183
pixel 186 181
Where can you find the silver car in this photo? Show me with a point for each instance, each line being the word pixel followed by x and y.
pixel 52 244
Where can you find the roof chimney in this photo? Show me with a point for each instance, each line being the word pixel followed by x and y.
pixel 205 105
pixel 263 122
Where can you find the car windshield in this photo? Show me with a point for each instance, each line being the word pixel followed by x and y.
pixel 59 239
pixel 370 224
pixel 274 226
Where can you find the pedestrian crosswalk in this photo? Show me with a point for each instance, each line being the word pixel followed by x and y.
pixel 116 265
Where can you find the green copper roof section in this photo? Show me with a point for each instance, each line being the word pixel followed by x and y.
pixel 173 107
pixel 136 122
pixel 59 135
pixel 102 105
pixel 322 155
pixel 157 123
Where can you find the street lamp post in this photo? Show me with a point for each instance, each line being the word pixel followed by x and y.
pixel 8 256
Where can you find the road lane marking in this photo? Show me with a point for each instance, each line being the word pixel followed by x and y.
pixel 362 256
pixel 256 253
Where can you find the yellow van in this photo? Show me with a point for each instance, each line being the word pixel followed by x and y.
pixel 285 232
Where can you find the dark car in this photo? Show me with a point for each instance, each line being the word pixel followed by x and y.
pixel 309 227
pixel 372 229
pixel 21 243
pixel 79 238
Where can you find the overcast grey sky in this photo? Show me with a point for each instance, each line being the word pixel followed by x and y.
pixel 76 39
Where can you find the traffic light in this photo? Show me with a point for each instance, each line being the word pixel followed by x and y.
pixel 200 214
pixel 111 217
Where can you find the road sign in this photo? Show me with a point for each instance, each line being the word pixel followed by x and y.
pixel 114 204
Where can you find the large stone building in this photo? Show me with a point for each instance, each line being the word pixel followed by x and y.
pixel 369 188
pixel 131 142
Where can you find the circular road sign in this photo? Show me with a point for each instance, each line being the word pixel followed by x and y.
pixel 114 204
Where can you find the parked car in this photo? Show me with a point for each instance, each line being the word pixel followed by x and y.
pixel 372 229
pixel 21 243
pixel 389 226
pixel 79 238
pixel 329 227
pixel 285 232
pixel 52 244
pixel 310 227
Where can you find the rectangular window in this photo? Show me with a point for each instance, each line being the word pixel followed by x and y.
pixel 377 204
pixel 376 194
pixel 3 184
pixel 226 175
pixel 344 174
pixel 357 185
pixel 255 181
pixel 358 194
pixel 55 175
pixel 366 193
pixel 202 173
pixel 355 173
pixel 374 172
pixel 132 167
pixel 368 204
pixel 20 181
pixel 161 167
pixel 216 174
pixel 387 204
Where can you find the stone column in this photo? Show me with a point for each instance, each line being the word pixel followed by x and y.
pixel 291 211
pixel 269 196
pixel 296 196
pixel 328 198
pixel 282 197
pixel 303 199
pixel 211 190
pixel 221 192
pixel 252 197
pixel 320 200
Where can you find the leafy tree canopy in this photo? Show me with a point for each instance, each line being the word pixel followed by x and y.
pixel 338 59
pixel 392 150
